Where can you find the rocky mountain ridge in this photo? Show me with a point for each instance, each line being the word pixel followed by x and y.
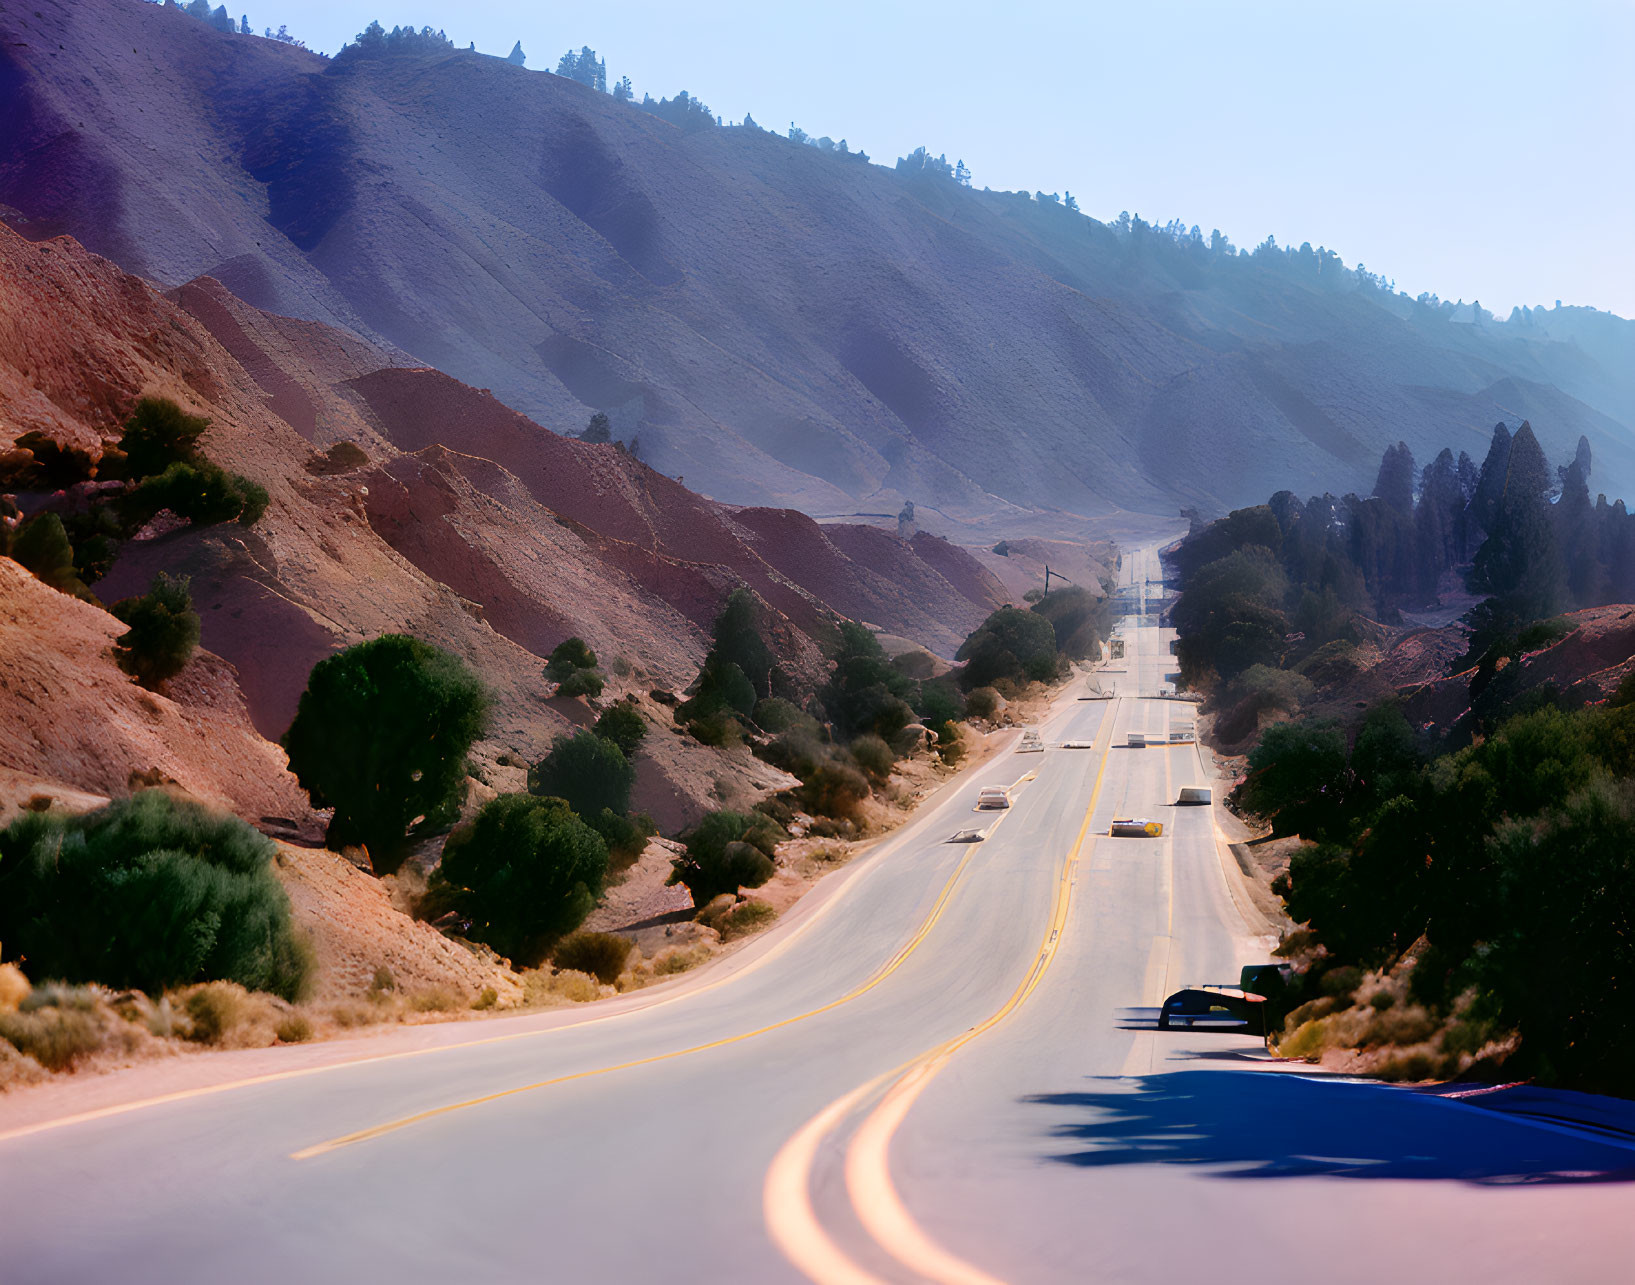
pixel 777 325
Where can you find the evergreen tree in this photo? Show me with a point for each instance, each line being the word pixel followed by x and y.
pixel 1577 533
pixel 599 430
pixel 584 67
pixel 1490 483
pixel 516 57
pixel 1395 481
pixel 381 735
pixel 1520 561
pixel 623 92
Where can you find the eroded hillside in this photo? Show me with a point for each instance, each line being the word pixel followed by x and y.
pixel 496 557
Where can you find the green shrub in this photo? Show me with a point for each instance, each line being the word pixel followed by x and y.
pixel 726 851
pixel 95 533
pixel 866 692
pixel 569 655
pixel 602 955
pixel 982 702
pixel 159 433
pixel 255 499
pixel 343 457
pixel 41 544
pixel 589 771
pixel 582 682
pixel 774 714
pixel 1010 643
pixel 490 998
pixel 624 726
pixel 874 756
pixel 939 701
pixel 744 918
pixel 201 492
pixel 150 892
pixel 525 871
pixel 294 1028
pixel 162 631
pixel 721 688
pixel 381 735
pixel 625 836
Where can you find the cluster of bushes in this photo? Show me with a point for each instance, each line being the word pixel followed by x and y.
pixel 149 892
pixel 73 543
pixel 726 851
pixel 528 868
pixel 592 772
pixel 572 667
pixel 1500 878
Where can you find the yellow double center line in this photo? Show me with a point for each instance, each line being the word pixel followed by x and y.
pixel 786 1199
pixel 885 971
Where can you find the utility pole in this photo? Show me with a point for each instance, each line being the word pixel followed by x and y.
pixel 1057 574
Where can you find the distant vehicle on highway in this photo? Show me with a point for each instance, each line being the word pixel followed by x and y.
pixel 1030 743
pixel 1195 796
pixel 993 796
pixel 1182 735
pixel 1077 745
pixel 1136 828
pixel 1136 740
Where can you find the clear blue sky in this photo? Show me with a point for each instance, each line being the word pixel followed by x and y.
pixel 1477 150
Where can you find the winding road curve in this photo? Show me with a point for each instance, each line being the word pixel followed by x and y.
pixel 923 1079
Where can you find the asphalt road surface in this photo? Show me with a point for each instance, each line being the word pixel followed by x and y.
pixel 925 1079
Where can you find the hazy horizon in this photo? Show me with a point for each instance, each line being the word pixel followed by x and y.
pixel 1309 125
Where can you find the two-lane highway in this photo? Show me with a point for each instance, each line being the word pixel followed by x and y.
pixel 924 1080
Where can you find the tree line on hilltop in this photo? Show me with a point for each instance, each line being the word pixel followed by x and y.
pixel 1286 577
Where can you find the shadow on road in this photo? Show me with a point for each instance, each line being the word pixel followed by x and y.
pixel 1264 1124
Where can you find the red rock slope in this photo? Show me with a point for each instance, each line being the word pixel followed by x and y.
pixel 469 526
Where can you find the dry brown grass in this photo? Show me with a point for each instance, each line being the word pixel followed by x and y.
pixel 743 919
pixel 544 987
pixel 678 959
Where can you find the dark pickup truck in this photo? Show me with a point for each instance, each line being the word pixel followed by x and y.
pixel 1257 1005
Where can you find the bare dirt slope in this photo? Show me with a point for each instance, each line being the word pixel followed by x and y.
pixel 71 715
pixel 497 558
pixel 780 325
